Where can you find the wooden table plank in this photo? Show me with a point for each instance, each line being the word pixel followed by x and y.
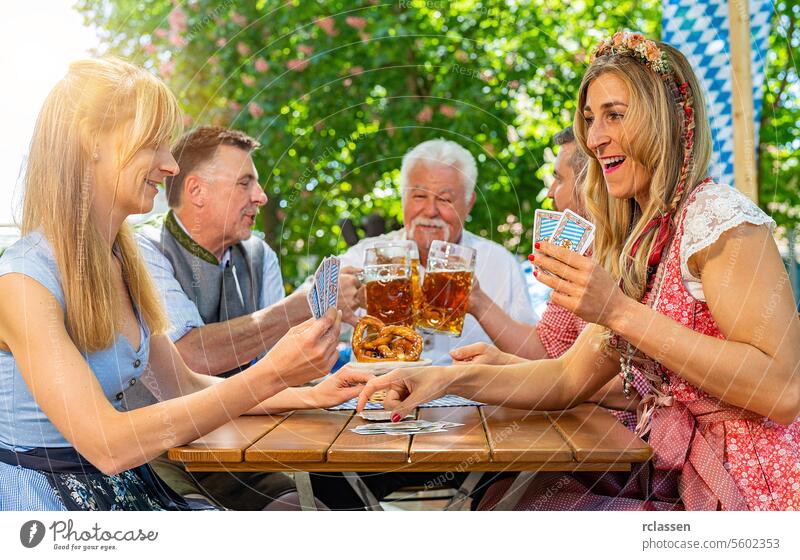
pixel 435 466
pixel 315 441
pixel 350 447
pixel 463 444
pixel 596 436
pixel 305 436
pixel 521 435
pixel 227 443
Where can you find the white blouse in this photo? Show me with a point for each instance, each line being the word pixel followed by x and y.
pixel 715 209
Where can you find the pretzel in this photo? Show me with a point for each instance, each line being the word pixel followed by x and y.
pixel 392 343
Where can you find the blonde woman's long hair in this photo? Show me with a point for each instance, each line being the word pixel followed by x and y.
pixel 95 96
pixel 658 145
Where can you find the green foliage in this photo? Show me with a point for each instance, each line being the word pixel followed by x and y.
pixel 338 91
pixel 779 165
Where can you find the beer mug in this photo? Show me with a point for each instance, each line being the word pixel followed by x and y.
pixel 446 288
pixel 388 277
pixel 413 252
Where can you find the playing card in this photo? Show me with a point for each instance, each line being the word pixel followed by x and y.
pixel 311 297
pixel 573 232
pixel 544 224
pixel 379 415
pixel 319 282
pixel 332 292
pixel 410 427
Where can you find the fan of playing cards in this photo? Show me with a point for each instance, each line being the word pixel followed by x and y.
pixel 565 229
pixel 324 292
pixel 407 428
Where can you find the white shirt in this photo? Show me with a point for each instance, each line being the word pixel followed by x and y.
pixel 499 274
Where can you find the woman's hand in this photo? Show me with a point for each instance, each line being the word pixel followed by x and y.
pixel 407 388
pixel 579 284
pixel 340 387
pixel 482 353
pixel 307 351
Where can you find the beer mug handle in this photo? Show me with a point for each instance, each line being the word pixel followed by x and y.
pixel 360 276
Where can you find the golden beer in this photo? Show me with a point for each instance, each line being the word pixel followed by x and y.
pixel 390 297
pixel 446 288
pixel 445 298
pixel 416 286
pixel 391 272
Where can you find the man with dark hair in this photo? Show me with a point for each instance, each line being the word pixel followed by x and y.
pixel 206 238
pixel 568 173
pixel 558 328
pixel 224 294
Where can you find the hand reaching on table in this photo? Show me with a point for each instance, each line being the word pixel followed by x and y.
pixel 340 387
pixel 407 388
pixel 307 351
pixel 482 353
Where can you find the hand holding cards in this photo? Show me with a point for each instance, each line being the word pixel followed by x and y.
pixel 565 229
pixel 324 292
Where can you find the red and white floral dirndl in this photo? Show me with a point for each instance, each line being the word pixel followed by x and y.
pixel 708 455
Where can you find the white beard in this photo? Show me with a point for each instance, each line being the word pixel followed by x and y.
pixel 435 222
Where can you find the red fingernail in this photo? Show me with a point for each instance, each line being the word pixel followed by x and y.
pixel 535 273
pixel 530 258
pixel 395 417
pixel 536 245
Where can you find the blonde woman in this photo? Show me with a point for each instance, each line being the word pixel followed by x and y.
pixel 80 320
pixel 686 285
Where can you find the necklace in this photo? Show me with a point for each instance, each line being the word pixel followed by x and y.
pixel 655 274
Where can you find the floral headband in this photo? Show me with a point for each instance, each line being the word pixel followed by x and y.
pixel 636 46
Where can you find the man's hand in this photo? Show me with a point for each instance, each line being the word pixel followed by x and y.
pixel 482 353
pixel 478 301
pixel 352 294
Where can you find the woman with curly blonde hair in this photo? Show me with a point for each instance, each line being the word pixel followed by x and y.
pixel 686 286
pixel 80 319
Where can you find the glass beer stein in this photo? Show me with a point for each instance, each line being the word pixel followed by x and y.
pixel 446 288
pixel 388 275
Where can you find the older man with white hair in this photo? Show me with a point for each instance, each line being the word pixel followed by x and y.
pixel 437 185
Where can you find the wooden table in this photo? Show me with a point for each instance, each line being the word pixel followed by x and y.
pixel 585 438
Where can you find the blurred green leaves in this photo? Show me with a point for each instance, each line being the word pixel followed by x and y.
pixel 337 91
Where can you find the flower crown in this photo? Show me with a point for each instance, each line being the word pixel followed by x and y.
pixel 636 46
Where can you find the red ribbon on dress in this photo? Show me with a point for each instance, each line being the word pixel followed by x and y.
pixel 689 437
pixel 664 225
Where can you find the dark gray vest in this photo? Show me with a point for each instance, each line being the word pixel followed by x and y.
pixel 220 294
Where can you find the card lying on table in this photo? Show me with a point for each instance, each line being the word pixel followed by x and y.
pixel 379 415
pixel 573 232
pixel 324 291
pixel 406 428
